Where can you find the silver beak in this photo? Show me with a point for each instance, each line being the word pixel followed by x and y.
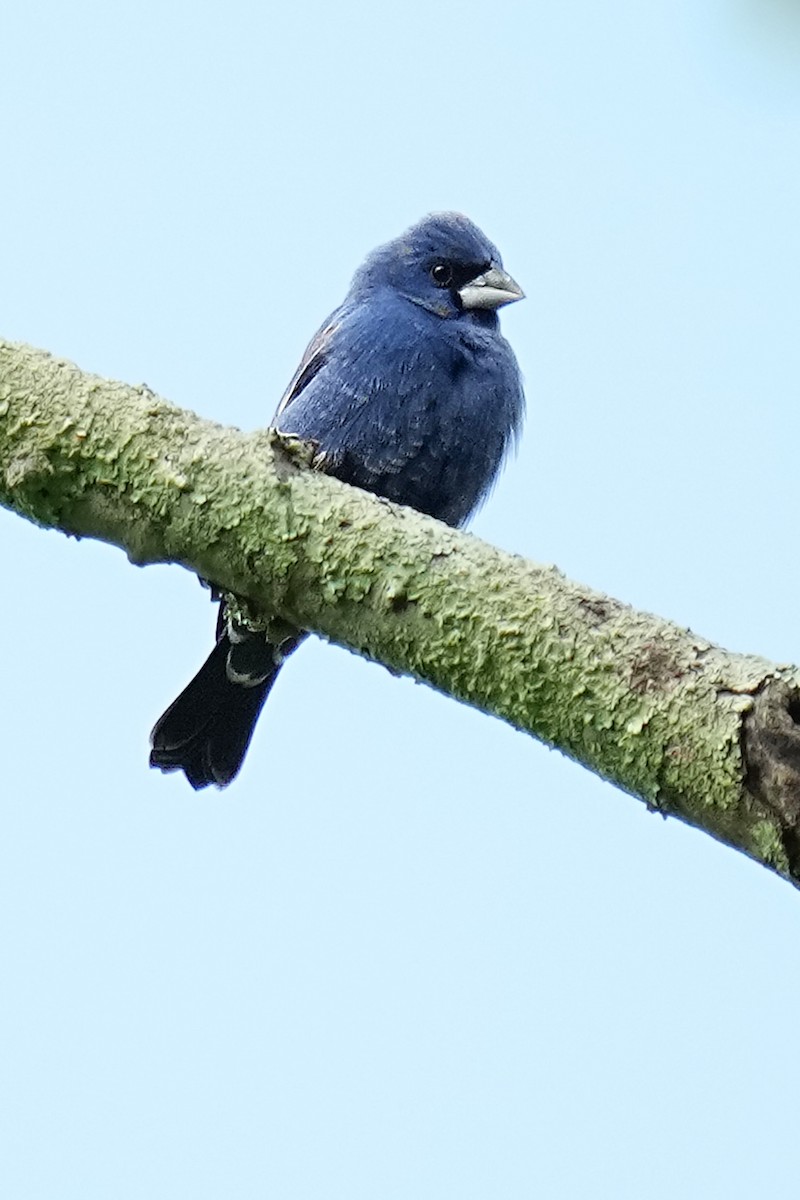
pixel 492 289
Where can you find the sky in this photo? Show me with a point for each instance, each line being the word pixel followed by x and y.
pixel 410 952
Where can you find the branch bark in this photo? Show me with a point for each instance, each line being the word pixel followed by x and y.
pixel 710 737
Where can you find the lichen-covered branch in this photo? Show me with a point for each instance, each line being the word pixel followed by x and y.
pixel 694 731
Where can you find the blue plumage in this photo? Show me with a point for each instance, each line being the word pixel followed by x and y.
pixel 410 391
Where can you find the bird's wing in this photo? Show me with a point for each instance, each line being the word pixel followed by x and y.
pixel 313 360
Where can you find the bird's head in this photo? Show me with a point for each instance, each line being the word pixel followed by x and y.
pixel 444 264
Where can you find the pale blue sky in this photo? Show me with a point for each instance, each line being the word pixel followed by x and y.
pixel 409 953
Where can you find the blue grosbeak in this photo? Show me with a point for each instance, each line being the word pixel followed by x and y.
pixel 410 391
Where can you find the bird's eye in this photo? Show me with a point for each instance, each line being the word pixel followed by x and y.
pixel 442 274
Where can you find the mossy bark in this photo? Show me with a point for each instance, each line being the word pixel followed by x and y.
pixel 692 730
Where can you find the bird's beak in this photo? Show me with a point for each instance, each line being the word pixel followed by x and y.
pixel 492 289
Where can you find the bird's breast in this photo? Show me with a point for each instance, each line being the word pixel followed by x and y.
pixel 421 414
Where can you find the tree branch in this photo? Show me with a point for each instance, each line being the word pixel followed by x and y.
pixel 698 733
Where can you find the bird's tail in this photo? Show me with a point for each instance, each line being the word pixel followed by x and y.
pixel 205 732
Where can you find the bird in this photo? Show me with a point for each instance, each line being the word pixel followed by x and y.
pixel 408 390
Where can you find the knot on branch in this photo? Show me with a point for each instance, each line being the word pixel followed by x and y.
pixel 771 748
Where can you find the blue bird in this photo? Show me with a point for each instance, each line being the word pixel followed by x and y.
pixel 410 391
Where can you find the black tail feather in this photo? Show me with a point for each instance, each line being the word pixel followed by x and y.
pixel 205 732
